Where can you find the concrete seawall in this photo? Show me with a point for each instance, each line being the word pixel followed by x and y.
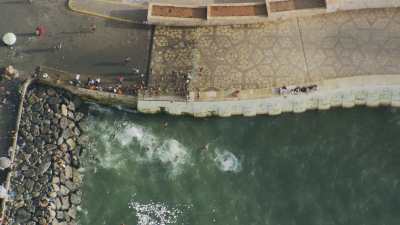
pixel 370 90
pixel 356 91
pixel 13 147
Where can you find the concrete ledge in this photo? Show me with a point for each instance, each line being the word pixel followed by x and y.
pixel 101 97
pixel 372 91
pixel 372 96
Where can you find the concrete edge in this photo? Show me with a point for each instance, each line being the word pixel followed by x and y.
pixel 346 97
pixel 85 12
pixel 104 98
pixel 13 147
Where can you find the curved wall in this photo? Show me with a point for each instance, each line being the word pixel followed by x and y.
pixel 251 12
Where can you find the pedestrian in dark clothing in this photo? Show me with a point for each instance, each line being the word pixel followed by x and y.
pixel 127 60
pixel 93 28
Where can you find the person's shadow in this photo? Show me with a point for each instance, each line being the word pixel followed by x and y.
pixel 31 34
pixel 15 2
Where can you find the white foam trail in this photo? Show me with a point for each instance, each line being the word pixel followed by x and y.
pixel 155 213
pixel 169 152
pixel 125 136
pixel 226 161
pixel 96 107
pixel 173 153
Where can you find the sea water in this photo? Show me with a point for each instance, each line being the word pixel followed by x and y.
pixel 316 168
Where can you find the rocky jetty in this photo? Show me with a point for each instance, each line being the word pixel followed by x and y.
pixel 45 186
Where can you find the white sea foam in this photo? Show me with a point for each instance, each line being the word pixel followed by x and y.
pixel 226 161
pixel 169 152
pixel 154 213
pixel 110 159
pixel 126 135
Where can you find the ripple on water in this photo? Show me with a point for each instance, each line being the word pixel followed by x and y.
pixel 226 161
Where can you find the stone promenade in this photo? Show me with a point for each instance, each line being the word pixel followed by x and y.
pixel 290 52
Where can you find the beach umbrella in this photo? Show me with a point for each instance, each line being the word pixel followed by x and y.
pixel 4 163
pixel 9 39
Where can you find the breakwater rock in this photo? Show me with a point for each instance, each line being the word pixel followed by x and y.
pixel 45 186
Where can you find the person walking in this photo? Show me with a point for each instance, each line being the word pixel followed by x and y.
pixel 58 46
pixel 93 28
pixel 127 60
pixel 40 31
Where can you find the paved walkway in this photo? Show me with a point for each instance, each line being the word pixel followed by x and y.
pixel 289 52
pixel 102 52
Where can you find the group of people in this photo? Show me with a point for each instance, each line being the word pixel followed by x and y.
pixel 94 84
pixel 285 90
pixel 176 83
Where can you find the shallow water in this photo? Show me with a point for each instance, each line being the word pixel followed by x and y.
pixel 316 168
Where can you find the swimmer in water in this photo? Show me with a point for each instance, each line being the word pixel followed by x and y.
pixel 205 147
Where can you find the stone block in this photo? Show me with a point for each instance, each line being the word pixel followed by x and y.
pixel 324 103
pixel 348 100
pixel 373 98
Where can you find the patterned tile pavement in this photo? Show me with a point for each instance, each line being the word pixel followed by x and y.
pixel 290 52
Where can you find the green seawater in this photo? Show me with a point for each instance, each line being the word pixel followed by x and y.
pixel 340 167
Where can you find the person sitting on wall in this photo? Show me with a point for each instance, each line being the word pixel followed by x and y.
pixel 303 90
pixel 236 93
pixel 313 87
pixel 283 90
pixel 119 91
pixel 76 81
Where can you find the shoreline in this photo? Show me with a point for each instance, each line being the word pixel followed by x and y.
pixel 369 90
